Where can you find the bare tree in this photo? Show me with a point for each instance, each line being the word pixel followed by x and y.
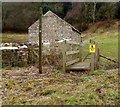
pixel 94 10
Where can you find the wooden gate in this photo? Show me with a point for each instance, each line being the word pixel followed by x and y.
pixel 76 56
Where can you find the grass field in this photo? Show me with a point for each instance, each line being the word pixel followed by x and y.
pixel 108 44
pixel 14 37
pixel 106 37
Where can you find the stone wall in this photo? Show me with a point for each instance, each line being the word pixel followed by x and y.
pixel 14 58
pixel 53 29
pixel 33 32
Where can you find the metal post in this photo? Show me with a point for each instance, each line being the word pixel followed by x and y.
pixel 40 40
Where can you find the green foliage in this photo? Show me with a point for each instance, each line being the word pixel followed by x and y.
pixel 84 78
pixel 92 84
pixel 57 72
pixel 98 72
pixel 93 96
pixel 71 100
pixel 113 93
pixel 5 74
pixel 48 92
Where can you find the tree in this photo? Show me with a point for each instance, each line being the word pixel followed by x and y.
pixel 94 10
pixel 117 11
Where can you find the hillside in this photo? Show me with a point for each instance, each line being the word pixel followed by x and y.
pixel 107 26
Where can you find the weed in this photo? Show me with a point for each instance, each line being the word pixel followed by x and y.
pixel 91 84
pixel 84 78
pixel 5 74
pixel 99 72
pixel 113 93
pixel 93 96
pixel 57 72
pixel 106 84
pixel 68 81
pixel 71 100
pixel 48 92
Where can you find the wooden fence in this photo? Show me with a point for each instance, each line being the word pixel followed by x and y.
pixel 71 53
pixel 74 52
pixel 51 56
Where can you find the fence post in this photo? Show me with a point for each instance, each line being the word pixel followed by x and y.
pixel 40 41
pixel 97 57
pixel 30 55
pixel 64 55
pixel 92 61
pixel 80 52
pixel 92 58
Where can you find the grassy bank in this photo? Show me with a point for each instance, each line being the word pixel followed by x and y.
pixel 108 44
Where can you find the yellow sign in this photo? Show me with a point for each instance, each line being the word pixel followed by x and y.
pixel 92 48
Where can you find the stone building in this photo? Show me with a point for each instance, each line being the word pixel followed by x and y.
pixel 53 29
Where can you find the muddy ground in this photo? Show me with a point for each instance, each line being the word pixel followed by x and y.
pixel 25 86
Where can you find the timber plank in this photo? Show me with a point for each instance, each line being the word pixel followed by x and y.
pixel 72 52
pixel 79 66
pixel 72 62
